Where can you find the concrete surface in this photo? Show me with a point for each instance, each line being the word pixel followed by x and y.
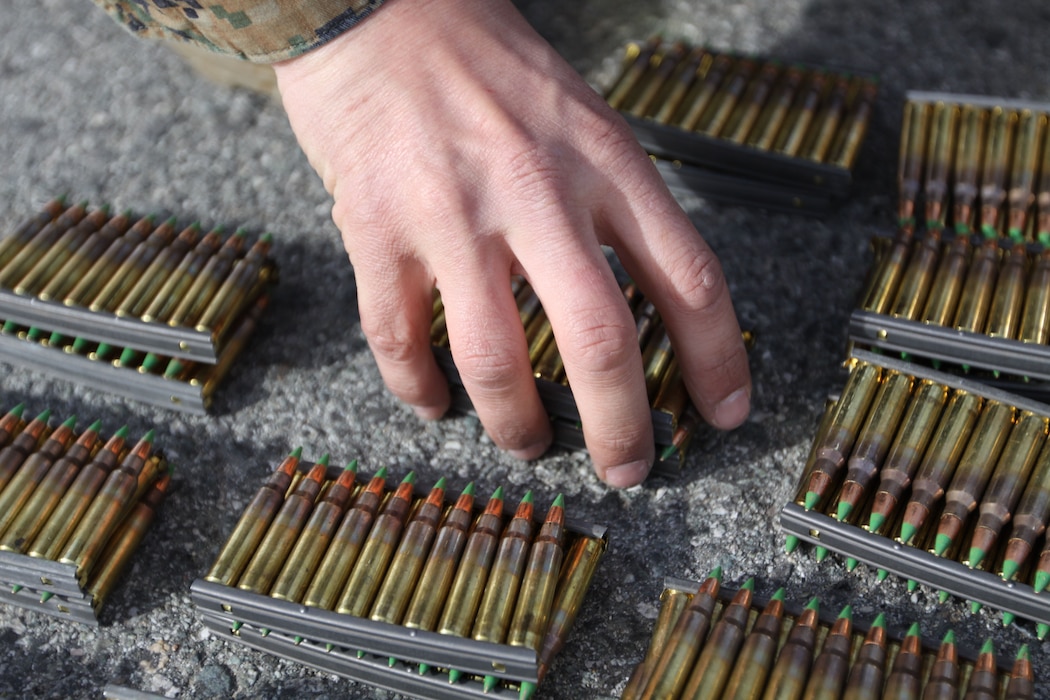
pixel 87 109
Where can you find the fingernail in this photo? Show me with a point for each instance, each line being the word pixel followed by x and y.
pixel 733 410
pixel 531 452
pixel 428 412
pixel 626 475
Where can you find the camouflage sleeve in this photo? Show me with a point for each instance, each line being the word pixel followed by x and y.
pixel 262 31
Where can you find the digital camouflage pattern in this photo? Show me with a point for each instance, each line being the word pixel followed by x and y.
pixel 262 31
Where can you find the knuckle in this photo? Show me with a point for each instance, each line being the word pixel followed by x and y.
pixel 697 283
pixel 601 343
pixel 485 363
pixel 392 341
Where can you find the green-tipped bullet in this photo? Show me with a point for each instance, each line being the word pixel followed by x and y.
pixel 1041 630
pixel 46 596
pixel 876 522
pixel 1008 618
pixel 851 563
pixel 391 662
pixel 526 691
pixel 265 631
pixel 881 574
pixel 16 588
pixel 236 626
pixel 1010 568
pixel 490 683
pixel 454 676
pixel 976 556
pixel 941 544
pixel 297 640
pixel 820 553
pixel 812 498
pixel 912 585
pixel 942 597
pixel 975 607
pixel 907 532
pixel 791 543
pixel 843 511
pixel 1042 579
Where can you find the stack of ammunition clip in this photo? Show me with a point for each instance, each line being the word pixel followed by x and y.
pixel 401 590
pixel 675 420
pixel 73 509
pixel 936 478
pixel 712 643
pixel 745 129
pixel 968 284
pixel 128 306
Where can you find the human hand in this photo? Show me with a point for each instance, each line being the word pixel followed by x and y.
pixel 460 150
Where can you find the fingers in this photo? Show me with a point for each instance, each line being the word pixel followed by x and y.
pixel 679 272
pixel 596 338
pixel 396 307
pixel 488 345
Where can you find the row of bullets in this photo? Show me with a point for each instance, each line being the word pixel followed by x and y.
pixel 668 397
pixel 973 285
pixel 134 268
pixel 938 468
pixel 975 167
pixel 80 500
pixel 796 111
pixel 362 550
pixel 706 644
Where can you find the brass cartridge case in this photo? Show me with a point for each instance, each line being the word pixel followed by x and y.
pixel 918 277
pixel 844 153
pixel 134 266
pixel 141 294
pixel 993 170
pixel 174 288
pixel 826 124
pixel 10 245
pixel 968 158
pixel 1035 315
pixel 87 254
pixel 20 489
pixel 662 67
pixel 978 289
pixel 1031 133
pixel 283 531
pixel 235 293
pixel 639 59
pixel 1030 517
pixel 435 581
pixel 911 159
pixel 501 591
pixel 749 110
pixel 671 671
pixel 1021 685
pixel 207 282
pixel 757 654
pixel 725 100
pixel 33 249
pixel 983 683
pixel 1008 482
pixel 102 270
pixel 835 447
pixel 802 115
pixel 103 515
pixel 40 265
pixel 74 502
pixel 464 596
pixel 253 523
pixel 370 567
pixel 696 102
pixel 947 285
pixel 869 667
pixel 712 669
pixel 909 447
pixel 882 289
pixel 791 670
pixel 310 546
pixel 1004 315
pixel 774 114
pixel 400 580
pixel 944 678
pixel 327 583
pixel 656 359
pixel 875 438
pixel 576 573
pixel 939 166
pixel 532 610
pixel 25 444
pixel 695 67
pixel 125 541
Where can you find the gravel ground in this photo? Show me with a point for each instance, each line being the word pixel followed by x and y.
pixel 89 110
